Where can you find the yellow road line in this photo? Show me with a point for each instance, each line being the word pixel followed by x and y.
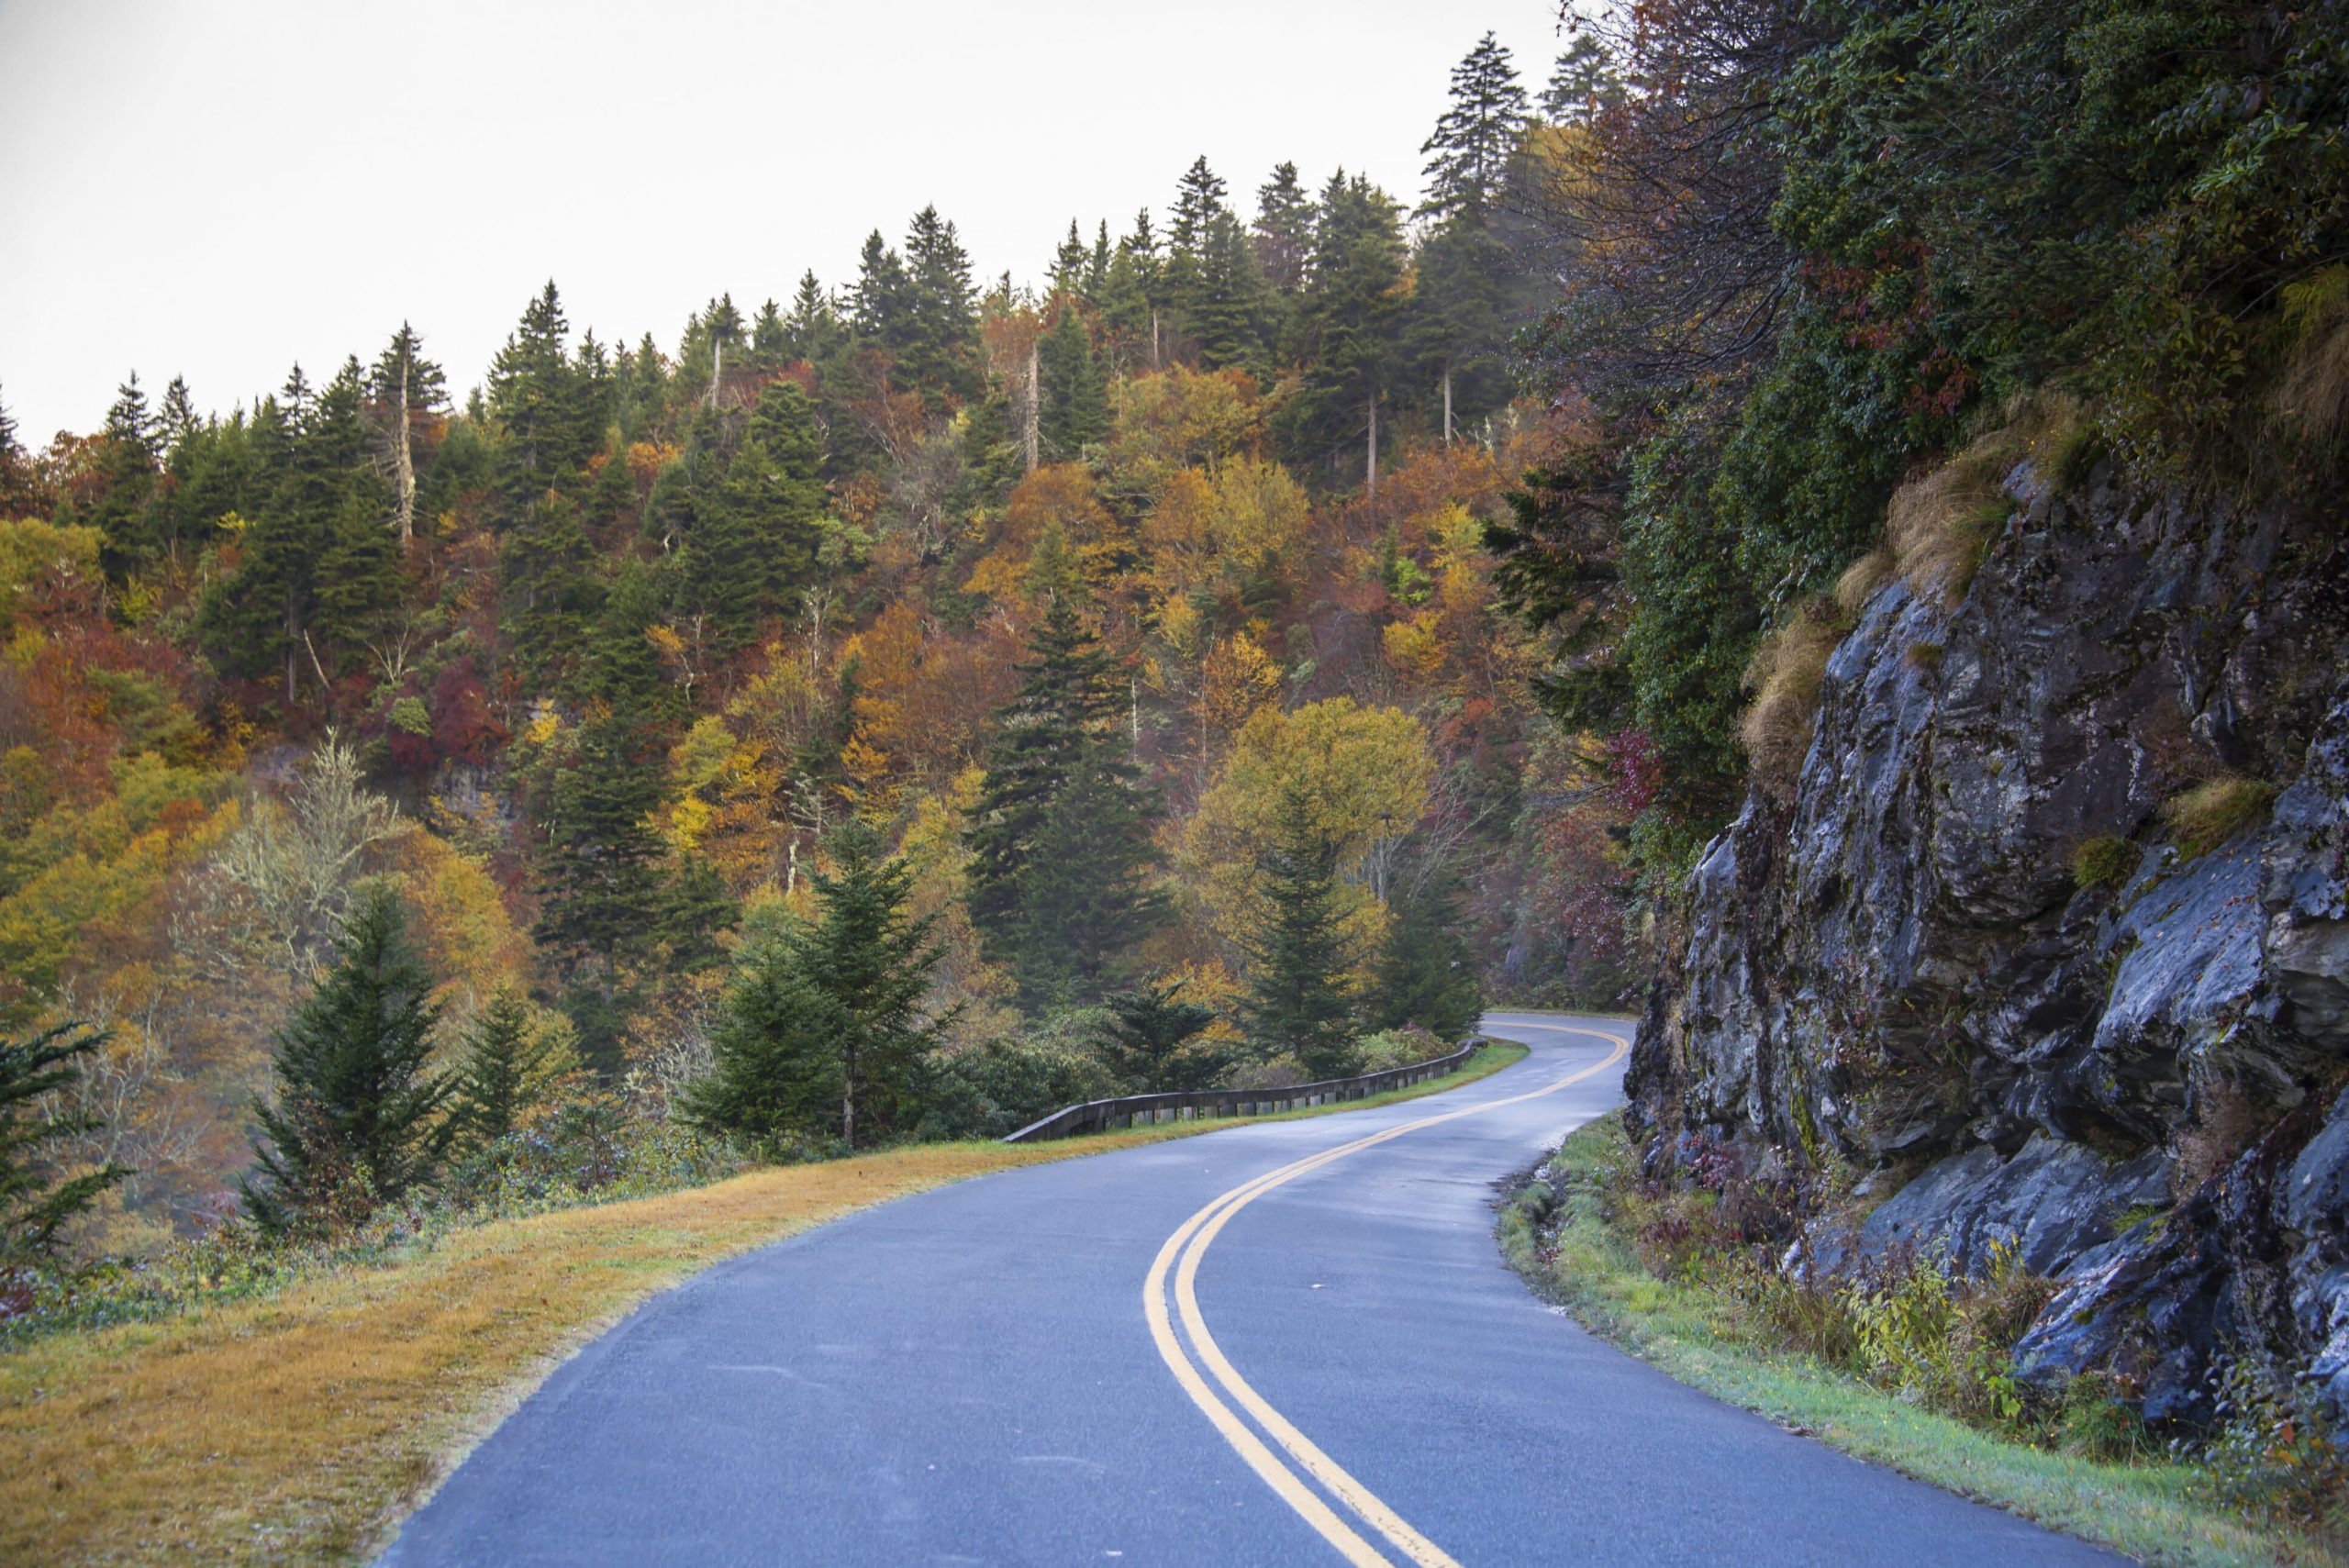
pixel 1183 1252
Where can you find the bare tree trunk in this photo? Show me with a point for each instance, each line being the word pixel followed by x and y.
pixel 403 466
pixel 848 1102
pixel 717 367
pixel 1447 402
pixel 1035 408
pixel 1370 482
pixel 1154 338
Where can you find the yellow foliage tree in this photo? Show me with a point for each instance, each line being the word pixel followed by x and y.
pixel 1368 772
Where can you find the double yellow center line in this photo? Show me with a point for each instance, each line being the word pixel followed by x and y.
pixel 1180 1257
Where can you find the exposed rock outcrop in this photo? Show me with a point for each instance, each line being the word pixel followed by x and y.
pixel 1902 966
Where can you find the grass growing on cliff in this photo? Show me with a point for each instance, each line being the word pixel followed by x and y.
pixel 2209 814
pixel 299 1425
pixel 1558 1234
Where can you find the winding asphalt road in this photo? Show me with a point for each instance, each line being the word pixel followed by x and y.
pixel 1290 1342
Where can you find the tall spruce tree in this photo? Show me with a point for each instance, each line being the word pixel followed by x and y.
pixel 1085 898
pixel 1477 136
pixel 940 350
pixel 543 399
pixel 1350 319
pixel 823 1033
pixel 36 1201
pixel 1427 971
pixel 1300 992
pixel 1149 1038
pixel 1284 230
pixel 503 1073
pixel 601 860
pixel 1075 412
pixel 355 1120
pixel 1061 780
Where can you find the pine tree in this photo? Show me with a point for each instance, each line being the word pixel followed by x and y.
pixel 1300 999
pixel 812 331
pixel 503 1073
pixel 1229 312
pixel 940 354
pixel 823 1033
pixel 122 510
pixel 1199 202
pixel 177 418
pixel 1070 263
pixel 1427 973
pixel 355 1121
pixel 34 1204
pixel 1283 230
pixel 1076 393
pixel 1145 1037
pixel 1350 318
pixel 1584 83
pixel 881 309
pixel 599 866
pixel 1477 136
pixel 536 396
pixel 1085 898
pixel 548 590
pixel 1067 695
pixel 21 491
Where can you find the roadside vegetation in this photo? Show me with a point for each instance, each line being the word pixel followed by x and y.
pixel 1903 1366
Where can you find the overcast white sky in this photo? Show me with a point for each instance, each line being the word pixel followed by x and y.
pixel 217 189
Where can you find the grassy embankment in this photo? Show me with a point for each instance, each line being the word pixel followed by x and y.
pixel 300 1426
pixel 1557 1236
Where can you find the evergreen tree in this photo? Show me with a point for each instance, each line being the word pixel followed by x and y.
pixel 34 1204
pixel 1300 999
pixel 536 395
pixel 355 1120
pixel 122 510
pixel 1085 898
pixel 503 1073
pixel 22 495
pixel 772 504
pixel 1349 318
pixel 940 353
pixel 1069 265
pixel 1070 700
pixel 1145 1037
pixel 1477 136
pixel 1284 231
pixel 812 330
pixel 1427 973
pixel 823 1033
pixel 549 592
pixel 600 870
pixel 1229 310
pixel 1584 85
pixel 1076 393
pixel 881 307
pixel 1199 202
pixel 177 420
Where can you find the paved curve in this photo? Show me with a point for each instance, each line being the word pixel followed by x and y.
pixel 967 1376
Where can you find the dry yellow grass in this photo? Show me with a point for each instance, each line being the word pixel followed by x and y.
pixel 299 1429
pixel 1784 676
pixel 286 1429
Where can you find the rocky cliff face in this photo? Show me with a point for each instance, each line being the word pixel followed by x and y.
pixel 1969 953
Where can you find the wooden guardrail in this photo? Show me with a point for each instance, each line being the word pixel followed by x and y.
pixel 1198 1105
